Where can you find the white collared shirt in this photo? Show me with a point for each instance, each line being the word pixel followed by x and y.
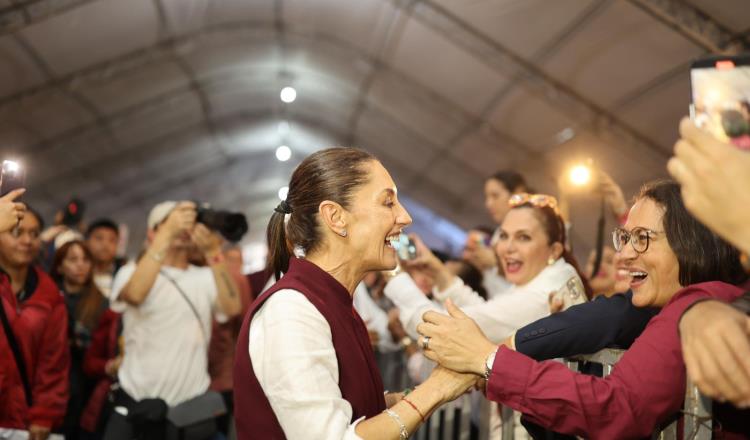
pixel 498 317
pixel 291 349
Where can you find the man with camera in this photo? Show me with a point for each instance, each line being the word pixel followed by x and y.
pixel 167 307
pixel 34 354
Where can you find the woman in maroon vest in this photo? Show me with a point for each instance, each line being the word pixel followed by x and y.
pixel 304 367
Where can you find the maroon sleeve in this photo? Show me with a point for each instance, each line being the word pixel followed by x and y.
pixel 97 354
pixel 646 386
pixel 49 387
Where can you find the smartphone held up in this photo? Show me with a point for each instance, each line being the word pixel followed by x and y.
pixel 12 177
pixel 405 247
pixel 720 101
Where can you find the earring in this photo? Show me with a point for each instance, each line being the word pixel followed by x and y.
pixel 343 233
pixel 551 261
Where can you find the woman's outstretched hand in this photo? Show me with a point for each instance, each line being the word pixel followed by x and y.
pixel 455 341
pixel 452 384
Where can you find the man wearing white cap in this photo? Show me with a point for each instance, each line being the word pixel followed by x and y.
pixel 167 307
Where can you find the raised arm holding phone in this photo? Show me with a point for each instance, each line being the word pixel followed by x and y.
pixel 168 306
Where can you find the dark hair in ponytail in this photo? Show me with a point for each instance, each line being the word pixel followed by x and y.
pixel 331 174
pixel 554 228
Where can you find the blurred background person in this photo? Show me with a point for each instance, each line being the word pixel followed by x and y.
pixel 102 238
pixel 36 394
pixel 72 270
pixel 221 350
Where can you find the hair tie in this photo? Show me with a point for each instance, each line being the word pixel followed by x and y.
pixel 283 208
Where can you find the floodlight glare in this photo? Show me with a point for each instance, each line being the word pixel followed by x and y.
pixel 288 94
pixel 580 175
pixel 283 192
pixel 283 153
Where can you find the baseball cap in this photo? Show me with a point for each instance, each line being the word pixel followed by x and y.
pixel 159 213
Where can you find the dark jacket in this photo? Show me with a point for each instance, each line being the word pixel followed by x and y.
pixel 612 322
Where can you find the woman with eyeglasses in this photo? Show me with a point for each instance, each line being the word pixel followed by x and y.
pixel 674 262
pixel 532 254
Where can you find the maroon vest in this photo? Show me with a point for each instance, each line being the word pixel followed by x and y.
pixel 359 378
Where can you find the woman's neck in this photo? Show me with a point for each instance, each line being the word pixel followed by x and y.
pixel 18 275
pixel 342 271
pixel 72 288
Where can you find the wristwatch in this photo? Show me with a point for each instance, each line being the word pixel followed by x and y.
pixel 406 341
pixel 488 363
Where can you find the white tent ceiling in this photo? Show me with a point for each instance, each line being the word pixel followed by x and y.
pixel 127 102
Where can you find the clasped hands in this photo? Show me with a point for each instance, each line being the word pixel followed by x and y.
pixel 455 342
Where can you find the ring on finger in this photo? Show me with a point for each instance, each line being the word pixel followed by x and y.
pixel 425 342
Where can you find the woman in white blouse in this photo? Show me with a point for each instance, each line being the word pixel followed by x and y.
pixel 531 252
pixel 308 371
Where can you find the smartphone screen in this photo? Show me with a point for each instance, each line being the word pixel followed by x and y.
pixel 12 177
pixel 720 100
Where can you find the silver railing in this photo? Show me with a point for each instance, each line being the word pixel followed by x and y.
pixel 696 413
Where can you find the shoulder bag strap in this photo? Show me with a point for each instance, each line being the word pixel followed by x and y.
pixel 20 362
pixel 190 303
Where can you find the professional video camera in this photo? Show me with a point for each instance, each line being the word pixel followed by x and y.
pixel 231 225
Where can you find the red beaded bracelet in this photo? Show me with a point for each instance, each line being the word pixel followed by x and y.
pixel 421 416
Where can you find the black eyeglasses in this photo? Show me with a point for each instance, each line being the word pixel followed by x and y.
pixel 639 238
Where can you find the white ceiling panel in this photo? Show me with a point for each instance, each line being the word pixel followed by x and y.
pixel 232 11
pixel 424 112
pixel 47 114
pixel 17 70
pixel 364 26
pixel 451 72
pixel 93 33
pixel 380 133
pixel 523 26
pixel 619 51
pixel 734 14
pixel 133 87
pixel 530 119
pixel 167 117
pixel 659 112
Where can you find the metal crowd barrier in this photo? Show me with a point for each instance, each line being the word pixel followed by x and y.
pixel 696 413
pixel 451 422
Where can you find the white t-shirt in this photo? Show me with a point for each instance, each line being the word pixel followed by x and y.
pixel 103 282
pixel 166 353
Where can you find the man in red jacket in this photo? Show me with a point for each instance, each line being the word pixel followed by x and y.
pixel 35 313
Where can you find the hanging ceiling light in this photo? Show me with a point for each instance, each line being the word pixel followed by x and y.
pixel 283 153
pixel 288 94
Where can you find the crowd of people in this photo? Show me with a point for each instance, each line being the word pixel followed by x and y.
pixel 179 343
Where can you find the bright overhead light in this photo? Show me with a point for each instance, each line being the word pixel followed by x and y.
pixel 580 175
pixel 288 94
pixel 283 192
pixel 283 153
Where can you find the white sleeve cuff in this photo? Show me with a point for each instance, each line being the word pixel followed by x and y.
pixel 351 431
